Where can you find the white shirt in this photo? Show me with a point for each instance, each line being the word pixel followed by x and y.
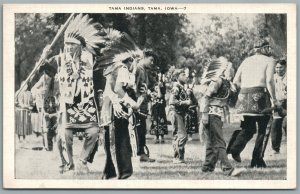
pixel 280 87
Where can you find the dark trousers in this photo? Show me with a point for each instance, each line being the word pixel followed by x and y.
pixel 284 125
pixel 141 131
pixel 216 146
pixel 91 138
pixel 179 135
pixel 276 133
pixel 118 150
pixel 248 130
pixel 50 123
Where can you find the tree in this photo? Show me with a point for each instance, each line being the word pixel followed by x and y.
pixel 32 33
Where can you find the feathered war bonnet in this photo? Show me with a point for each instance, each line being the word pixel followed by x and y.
pixel 214 69
pixel 119 48
pixel 82 30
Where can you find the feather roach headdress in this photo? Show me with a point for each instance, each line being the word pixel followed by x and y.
pixel 82 30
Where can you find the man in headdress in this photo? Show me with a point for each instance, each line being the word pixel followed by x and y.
pixel 116 109
pixel 124 92
pixel 75 75
pixel 257 93
pixel 179 104
pixel 216 89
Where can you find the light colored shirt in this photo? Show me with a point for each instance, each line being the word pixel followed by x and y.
pixel 40 90
pixel 24 99
pixel 280 87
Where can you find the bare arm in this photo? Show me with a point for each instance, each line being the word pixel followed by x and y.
pixel 119 89
pixel 270 79
pixel 121 81
pixel 109 92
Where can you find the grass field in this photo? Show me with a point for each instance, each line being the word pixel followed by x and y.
pixel 32 164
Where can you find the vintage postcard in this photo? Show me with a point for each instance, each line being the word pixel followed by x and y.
pixel 149 96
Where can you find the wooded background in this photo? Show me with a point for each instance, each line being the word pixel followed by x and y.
pixel 180 39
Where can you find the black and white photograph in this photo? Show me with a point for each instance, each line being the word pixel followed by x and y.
pixel 149 96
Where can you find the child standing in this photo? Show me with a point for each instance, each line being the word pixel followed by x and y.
pixel 179 103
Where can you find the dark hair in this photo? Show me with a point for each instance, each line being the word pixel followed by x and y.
pixel 282 62
pixel 129 59
pixel 151 53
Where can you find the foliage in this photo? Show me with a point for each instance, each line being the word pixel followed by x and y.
pixel 32 33
pixel 178 40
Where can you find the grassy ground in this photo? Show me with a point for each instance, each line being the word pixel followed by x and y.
pixel 32 164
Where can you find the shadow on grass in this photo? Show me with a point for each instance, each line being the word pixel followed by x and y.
pixel 276 170
pixel 279 163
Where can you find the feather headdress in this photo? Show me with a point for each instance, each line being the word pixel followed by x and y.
pixel 115 46
pixel 82 30
pixel 118 47
pixel 215 68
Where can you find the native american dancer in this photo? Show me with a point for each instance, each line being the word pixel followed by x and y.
pixel 120 98
pixel 179 104
pixel 78 111
pixel 257 93
pixel 114 116
pixel 215 97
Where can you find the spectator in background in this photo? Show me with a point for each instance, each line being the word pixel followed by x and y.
pixel 41 91
pixel 191 117
pixel 51 120
pixel 23 104
pixel 159 126
pixel 281 97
